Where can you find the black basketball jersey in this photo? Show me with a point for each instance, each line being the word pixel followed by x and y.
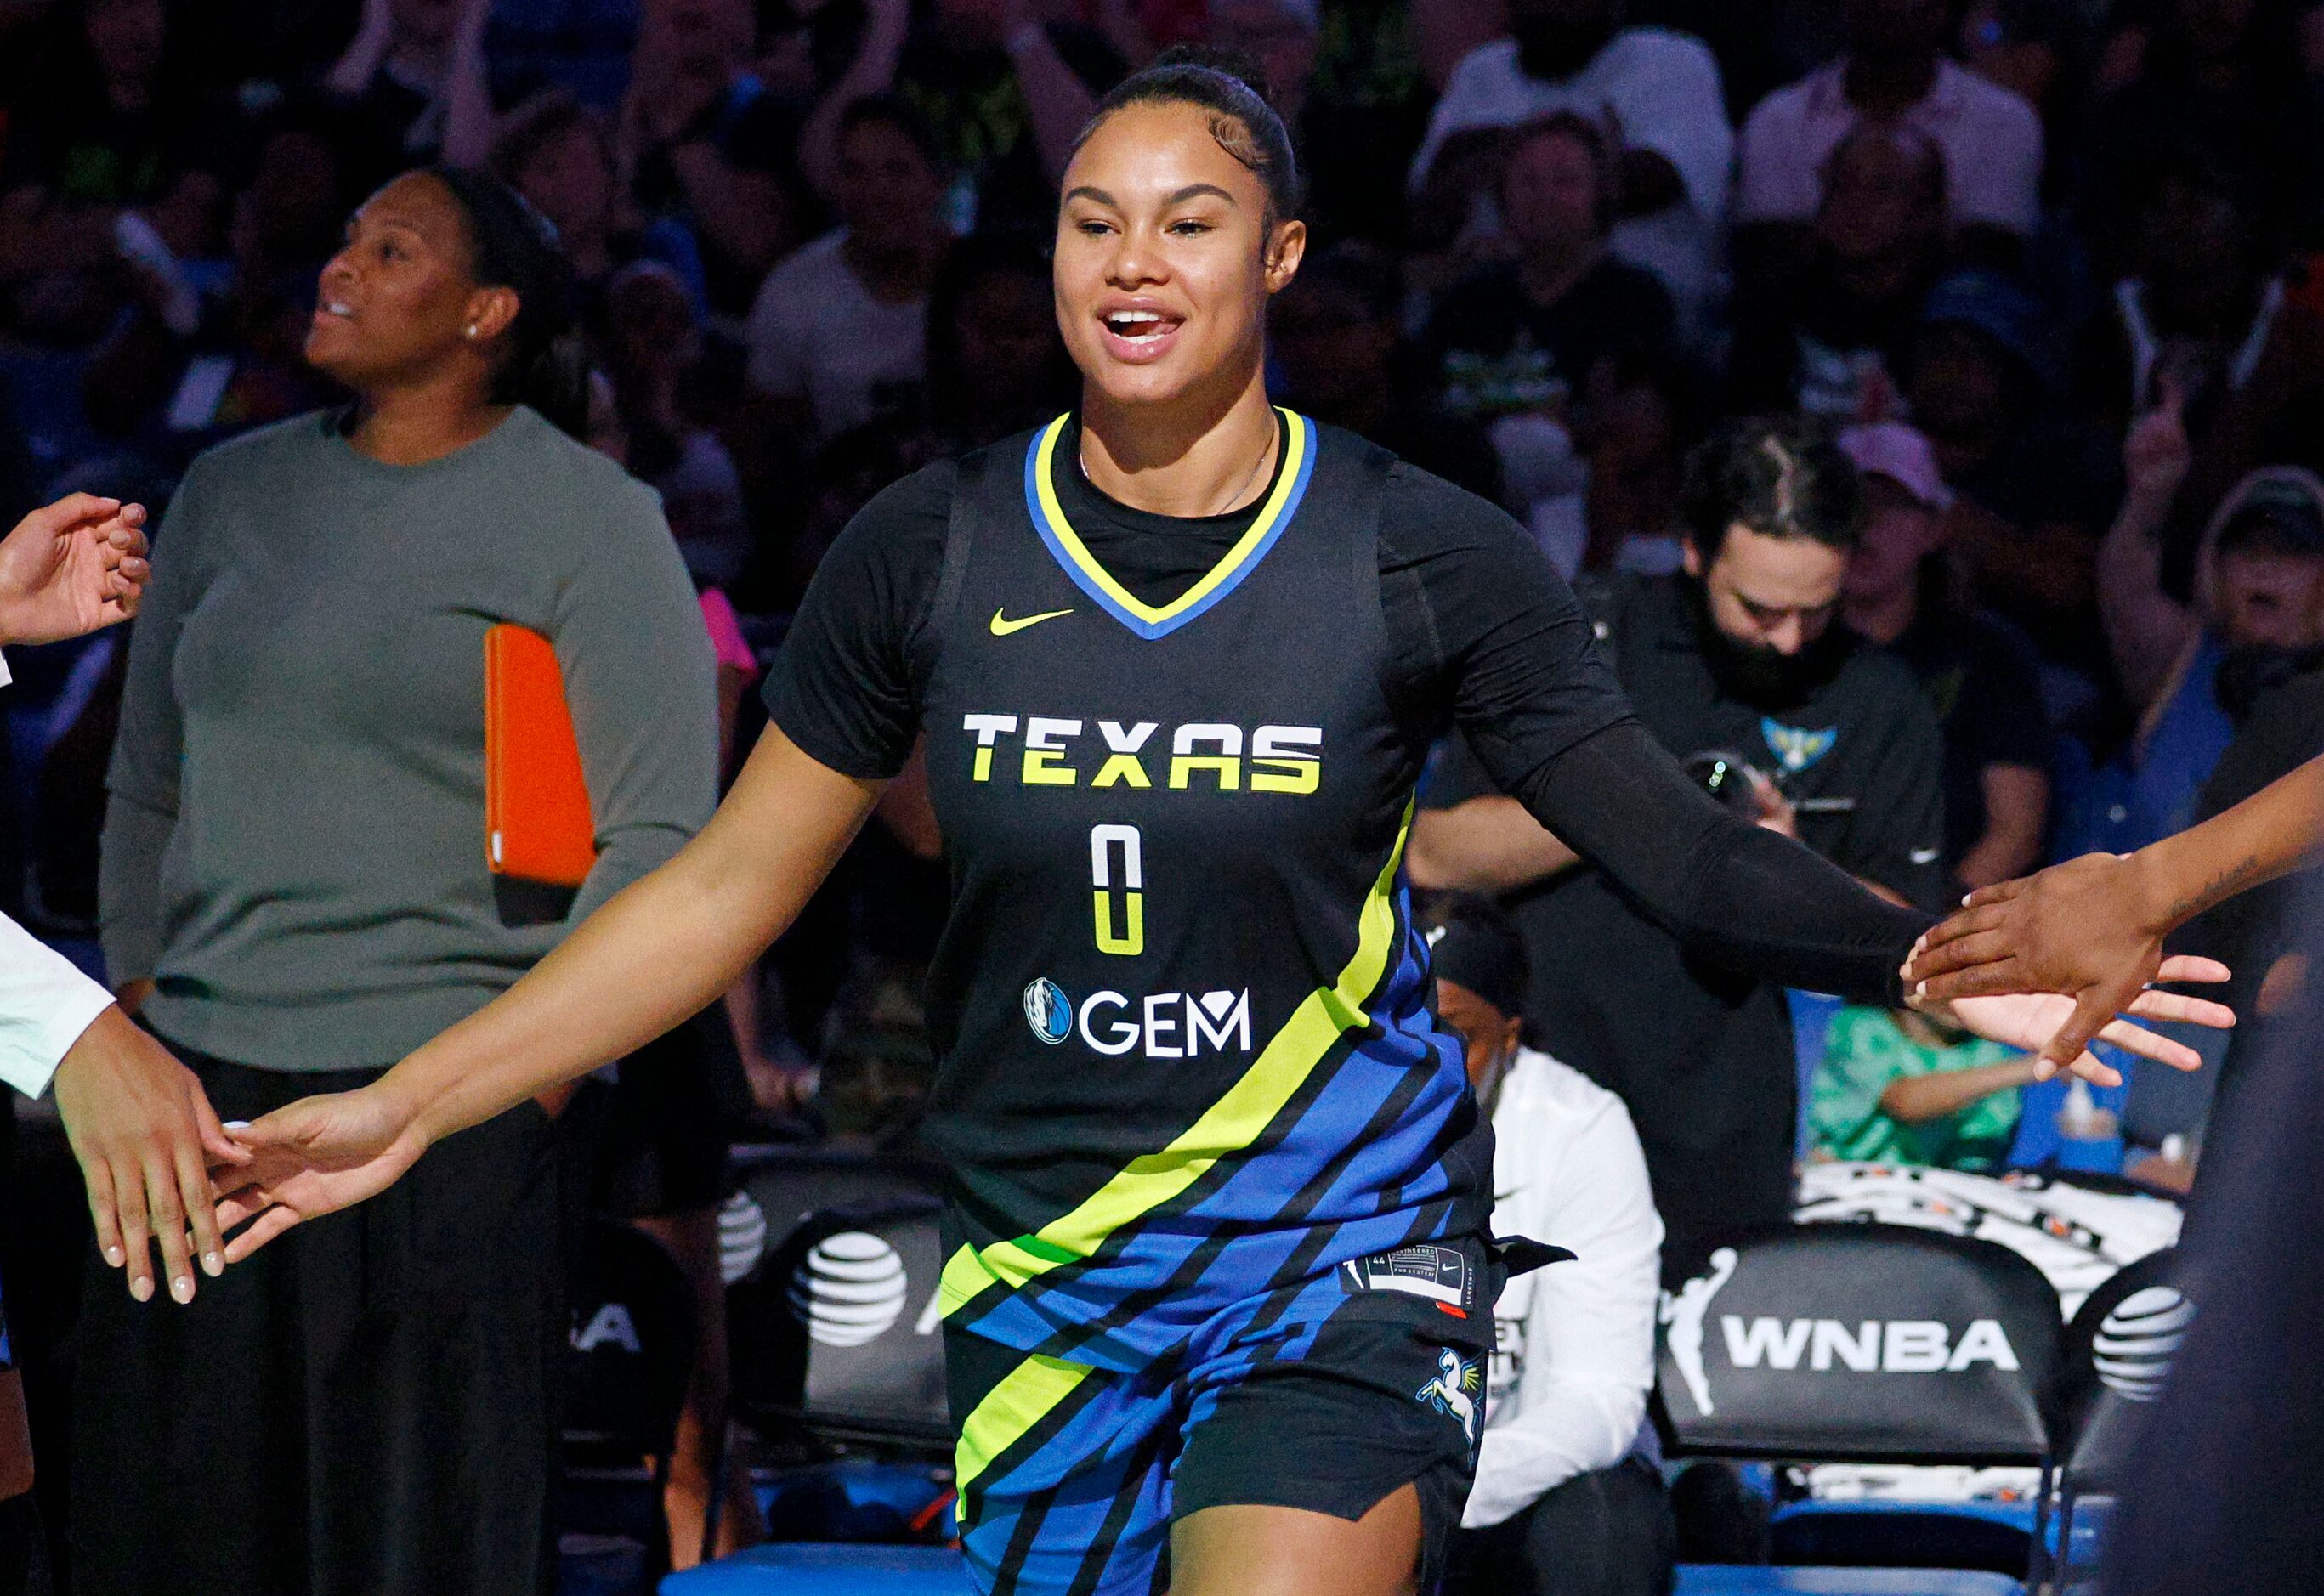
pixel 1189 1053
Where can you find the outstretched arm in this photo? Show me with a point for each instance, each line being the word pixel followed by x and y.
pixel 657 952
pixel 2093 926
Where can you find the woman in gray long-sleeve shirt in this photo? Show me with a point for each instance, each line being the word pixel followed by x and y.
pixel 295 885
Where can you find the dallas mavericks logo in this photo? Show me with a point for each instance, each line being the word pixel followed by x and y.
pixel 1048 1011
pixel 1796 748
pixel 1453 1391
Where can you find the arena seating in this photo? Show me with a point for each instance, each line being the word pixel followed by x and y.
pixel 629 1357
pixel 2117 1351
pixel 1859 1344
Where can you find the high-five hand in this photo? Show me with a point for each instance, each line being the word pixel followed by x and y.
pixel 2085 928
pixel 311 1158
pixel 147 1139
pixel 70 567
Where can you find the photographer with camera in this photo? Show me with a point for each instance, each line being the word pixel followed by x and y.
pixel 1736 665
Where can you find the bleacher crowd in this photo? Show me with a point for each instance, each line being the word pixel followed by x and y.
pixel 2035 287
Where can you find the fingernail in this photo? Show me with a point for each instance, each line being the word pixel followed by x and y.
pixel 182 1289
pixel 142 1289
pixel 213 1265
pixel 114 1256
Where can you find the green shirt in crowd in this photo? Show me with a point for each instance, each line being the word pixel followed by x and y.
pixel 1865 1050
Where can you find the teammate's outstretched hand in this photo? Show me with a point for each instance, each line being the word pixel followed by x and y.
pixel 310 1157
pixel 2046 1023
pixel 70 567
pixel 141 1127
pixel 2088 929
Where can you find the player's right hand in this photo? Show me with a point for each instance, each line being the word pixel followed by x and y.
pixel 311 1158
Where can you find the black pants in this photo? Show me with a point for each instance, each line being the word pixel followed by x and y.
pixel 1603 1534
pixel 365 1408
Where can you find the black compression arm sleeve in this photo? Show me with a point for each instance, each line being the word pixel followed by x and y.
pixel 1734 891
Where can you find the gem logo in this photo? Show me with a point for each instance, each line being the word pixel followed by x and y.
pixel 849 1289
pixel 1048 1010
pixel 2137 1341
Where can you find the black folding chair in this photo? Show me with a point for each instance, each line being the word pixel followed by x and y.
pixel 629 1359
pixel 2118 1350
pixel 1864 1344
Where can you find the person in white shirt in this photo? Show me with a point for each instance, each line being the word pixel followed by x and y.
pixel 1564 1504
pixel 1658 94
pixel 838 329
pixel 137 1119
pixel 1895 72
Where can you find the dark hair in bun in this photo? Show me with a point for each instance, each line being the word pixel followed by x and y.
pixel 1232 87
pixel 513 246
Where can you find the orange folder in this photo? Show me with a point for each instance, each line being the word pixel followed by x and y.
pixel 537 821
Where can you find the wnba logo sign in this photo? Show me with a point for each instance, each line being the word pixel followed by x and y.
pixel 1048 1010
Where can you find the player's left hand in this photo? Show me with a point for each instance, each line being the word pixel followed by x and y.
pixel 70 567
pixel 311 1158
pixel 2036 1020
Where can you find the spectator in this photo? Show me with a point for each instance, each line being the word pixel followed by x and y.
pixel 102 141
pixel 1735 663
pixel 1005 92
pixel 1526 335
pixel 2031 484
pixel 1894 1087
pixel 1280 35
pixel 1659 93
pixel 2035 49
pixel 236 363
pixel 403 75
pixel 1563 1505
pixel 1336 333
pixel 1830 338
pixel 2239 77
pixel 653 344
pixel 560 155
pixel 2198 298
pixel 1979 672
pixel 706 144
pixel 839 330
pixel 1641 415
pixel 1895 72
pixel 2259 595
pixel 995 363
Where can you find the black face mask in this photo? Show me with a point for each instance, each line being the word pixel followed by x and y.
pixel 2250 672
pixel 1762 676
pixel 1555 47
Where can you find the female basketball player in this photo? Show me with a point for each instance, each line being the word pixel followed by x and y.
pixel 1220 1287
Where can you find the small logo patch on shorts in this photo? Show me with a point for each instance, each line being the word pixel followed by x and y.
pixel 1441 1275
pixel 1456 1391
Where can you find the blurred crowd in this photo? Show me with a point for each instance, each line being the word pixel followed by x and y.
pixel 2053 262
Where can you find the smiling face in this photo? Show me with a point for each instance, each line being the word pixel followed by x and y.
pixel 1166 257
pixel 395 306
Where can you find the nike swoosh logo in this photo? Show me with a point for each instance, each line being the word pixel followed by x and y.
pixel 1002 626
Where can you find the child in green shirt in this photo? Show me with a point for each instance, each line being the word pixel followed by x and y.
pixel 1897 1089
